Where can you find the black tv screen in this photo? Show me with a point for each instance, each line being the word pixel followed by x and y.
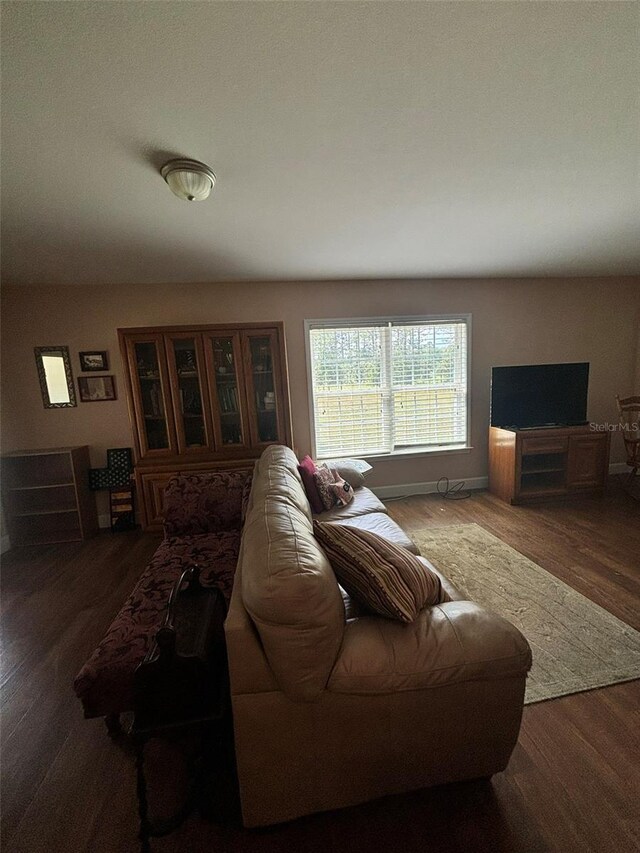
pixel 538 395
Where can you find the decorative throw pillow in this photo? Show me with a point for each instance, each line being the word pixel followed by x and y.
pixel 381 576
pixel 341 489
pixel 350 474
pixel 307 469
pixel 324 482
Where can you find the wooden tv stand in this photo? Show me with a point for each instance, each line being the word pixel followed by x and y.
pixel 540 464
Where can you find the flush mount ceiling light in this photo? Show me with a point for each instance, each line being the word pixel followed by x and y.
pixel 188 179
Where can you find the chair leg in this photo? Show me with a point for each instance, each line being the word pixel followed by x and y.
pixel 112 722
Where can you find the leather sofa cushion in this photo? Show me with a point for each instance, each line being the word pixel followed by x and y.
pixel 448 643
pixel 277 469
pixel 288 586
pixel 380 524
pixel 384 577
pixel 364 501
pixel 352 610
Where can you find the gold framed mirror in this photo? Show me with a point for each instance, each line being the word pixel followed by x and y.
pixel 56 379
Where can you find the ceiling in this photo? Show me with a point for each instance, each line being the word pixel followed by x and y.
pixel 350 140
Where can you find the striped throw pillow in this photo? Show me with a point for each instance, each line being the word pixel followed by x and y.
pixel 381 576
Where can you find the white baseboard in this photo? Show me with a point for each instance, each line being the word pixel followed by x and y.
pixel 5 544
pixel 405 489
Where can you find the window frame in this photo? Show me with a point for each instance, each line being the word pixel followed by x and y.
pixel 353 322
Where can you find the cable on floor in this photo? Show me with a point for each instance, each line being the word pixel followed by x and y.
pixel 452 492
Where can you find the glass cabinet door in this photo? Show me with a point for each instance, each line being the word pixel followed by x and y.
pixel 226 388
pixel 263 394
pixel 151 397
pixel 206 393
pixel 190 399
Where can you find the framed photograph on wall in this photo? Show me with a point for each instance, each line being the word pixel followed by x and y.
pixel 94 360
pixel 95 389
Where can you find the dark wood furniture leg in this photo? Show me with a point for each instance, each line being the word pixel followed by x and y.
pixel 143 808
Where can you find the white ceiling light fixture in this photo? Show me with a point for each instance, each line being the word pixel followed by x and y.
pixel 189 179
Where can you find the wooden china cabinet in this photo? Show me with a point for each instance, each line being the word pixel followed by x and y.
pixel 202 398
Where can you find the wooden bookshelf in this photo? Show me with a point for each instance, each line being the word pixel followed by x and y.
pixel 46 497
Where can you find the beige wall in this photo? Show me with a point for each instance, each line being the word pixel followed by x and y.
pixel 519 321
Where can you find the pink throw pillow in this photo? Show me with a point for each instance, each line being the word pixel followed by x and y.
pixel 307 469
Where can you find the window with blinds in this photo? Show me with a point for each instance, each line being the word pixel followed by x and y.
pixel 388 386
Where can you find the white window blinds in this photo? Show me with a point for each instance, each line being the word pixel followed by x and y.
pixel 386 386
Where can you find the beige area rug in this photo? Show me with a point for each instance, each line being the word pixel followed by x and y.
pixel 576 644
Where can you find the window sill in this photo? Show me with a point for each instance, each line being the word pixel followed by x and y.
pixel 411 453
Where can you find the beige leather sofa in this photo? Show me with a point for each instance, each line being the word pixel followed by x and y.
pixel 333 707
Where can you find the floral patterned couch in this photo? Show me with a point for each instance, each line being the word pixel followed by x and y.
pixel 203 519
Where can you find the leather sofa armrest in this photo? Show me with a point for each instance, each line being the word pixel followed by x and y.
pixel 452 642
pixel 489 644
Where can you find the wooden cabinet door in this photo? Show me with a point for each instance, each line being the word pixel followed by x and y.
pixel 150 396
pixel 588 458
pixel 189 393
pixel 150 486
pixel 264 385
pixel 226 384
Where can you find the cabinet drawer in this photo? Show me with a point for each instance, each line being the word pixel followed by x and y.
pixel 557 444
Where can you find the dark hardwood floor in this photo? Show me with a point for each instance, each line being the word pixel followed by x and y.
pixel 572 784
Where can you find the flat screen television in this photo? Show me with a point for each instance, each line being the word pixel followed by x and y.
pixel 539 395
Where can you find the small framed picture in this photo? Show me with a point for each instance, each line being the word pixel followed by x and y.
pixel 93 361
pixel 95 389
